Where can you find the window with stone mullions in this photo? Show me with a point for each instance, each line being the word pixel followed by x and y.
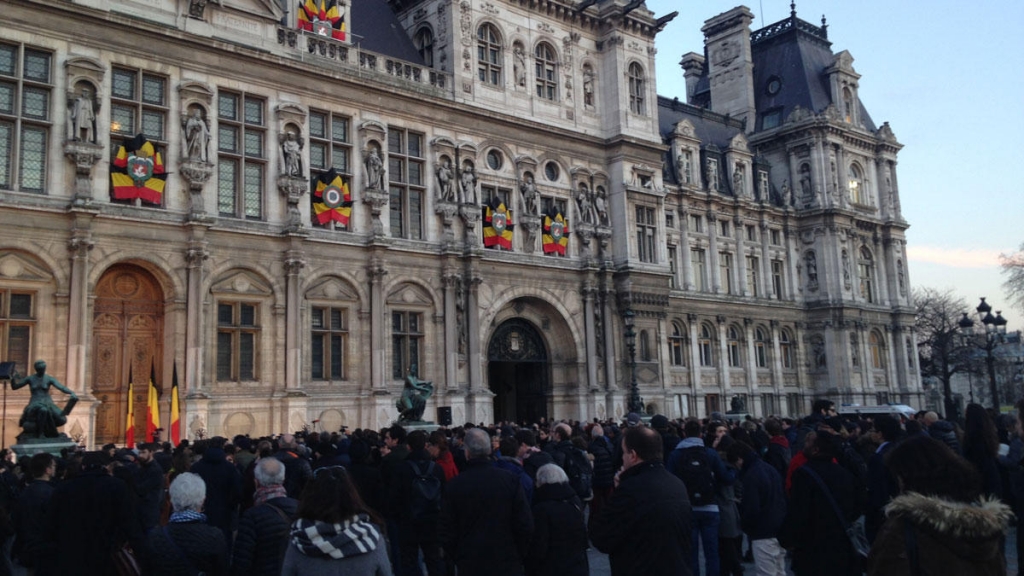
pixel 488 54
pixel 504 194
pixel 637 87
pixel 237 338
pixel 645 233
pixel 17 322
pixel 329 337
pixel 241 163
pixel 329 142
pixel 25 110
pixel 406 343
pixel 753 270
pixel 546 71
pixel 138 105
pixel 546 202
pixel 406 186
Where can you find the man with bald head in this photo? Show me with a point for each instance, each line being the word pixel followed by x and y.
pixel 486 524
pixel 644 527
pixel 297 470
pixel 941 430
pixel 263 530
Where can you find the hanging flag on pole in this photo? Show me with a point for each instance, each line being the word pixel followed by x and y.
pixel 152 406
pixel 129 427
pixel 175 409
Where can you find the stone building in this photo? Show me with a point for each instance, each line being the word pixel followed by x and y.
pixel 293 205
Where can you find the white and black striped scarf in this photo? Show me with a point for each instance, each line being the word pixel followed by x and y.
pixel 353 537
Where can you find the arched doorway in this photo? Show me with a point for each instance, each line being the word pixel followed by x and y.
pixel 127 330
pixel 517 372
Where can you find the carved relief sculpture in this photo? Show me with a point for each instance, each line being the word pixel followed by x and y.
pixel 82 117
pixel 196 137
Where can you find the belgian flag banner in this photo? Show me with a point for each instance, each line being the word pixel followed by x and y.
pixel 497 225
pixel 325 19
pixel 556 232
pixel 332 201
pixel 138 171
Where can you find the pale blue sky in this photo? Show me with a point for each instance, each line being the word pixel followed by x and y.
pixel 948 77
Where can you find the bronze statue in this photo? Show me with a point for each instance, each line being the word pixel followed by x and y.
pixel 42 417
pixel 414 397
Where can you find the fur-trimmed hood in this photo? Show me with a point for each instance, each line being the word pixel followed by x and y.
pixel 981 520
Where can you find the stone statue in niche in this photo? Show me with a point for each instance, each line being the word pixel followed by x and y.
pixel 711 165
pixel 588 87
pixel 467 184
pixel 291 154
pixel 846 269
pixel 601 206
pixel 584 207
pixel 787 194
pixel 531 200
pixel 519 65
pixel 196 137
pixel 683 169
pixel 460 313
pixel 443 174
pixel 811 263
pixel 854 356
pixel 738 181
pixel 818 351
pixel 805 183
pixel 374 171
pixel 902 279
pixel 81 124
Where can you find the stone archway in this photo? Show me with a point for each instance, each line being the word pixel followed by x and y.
pixel 518 372
pixel 127 332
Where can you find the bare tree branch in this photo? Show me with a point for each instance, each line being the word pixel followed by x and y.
pixel 1013 269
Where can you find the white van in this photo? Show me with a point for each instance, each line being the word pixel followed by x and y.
pixel 892 409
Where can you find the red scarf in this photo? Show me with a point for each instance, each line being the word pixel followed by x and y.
pixel 264 493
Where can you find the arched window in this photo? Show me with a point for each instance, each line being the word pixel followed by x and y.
pixel 645 346
pixel 857 195
pixel 677 345
pixel 546 69
pixel 637 89
pixel 848 105
pixel 733 344
pixel 704 346
pixel 424 41
pixel 877 346
pixel 866 268
pixel 786 348
pixel 488 54
pixel 761 346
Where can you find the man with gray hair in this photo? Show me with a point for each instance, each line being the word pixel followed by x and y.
pixel 262 538
pixel 187 545
pixel 486 524
pixel 297 469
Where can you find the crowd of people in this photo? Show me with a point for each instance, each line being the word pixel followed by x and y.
pixel 822 495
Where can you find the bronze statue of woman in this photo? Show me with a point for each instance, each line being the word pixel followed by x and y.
pixel 42 417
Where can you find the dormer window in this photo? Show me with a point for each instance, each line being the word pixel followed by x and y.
pixel 848 105
pixel 424 41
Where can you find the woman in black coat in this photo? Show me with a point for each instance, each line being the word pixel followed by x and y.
pixel 559 545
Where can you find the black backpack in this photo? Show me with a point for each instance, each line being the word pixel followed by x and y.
pixel 426 492
pixel 581 474
pixel 694 468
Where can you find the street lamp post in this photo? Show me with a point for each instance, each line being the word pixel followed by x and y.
pixel 635 403
pixel 994 334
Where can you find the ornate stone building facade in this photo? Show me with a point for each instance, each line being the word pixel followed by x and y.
pixel 294 208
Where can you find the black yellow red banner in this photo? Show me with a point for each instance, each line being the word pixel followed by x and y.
pixel 556 232
pixel 325 19
pixel 332 201
pixel 138 171
pixel 497 225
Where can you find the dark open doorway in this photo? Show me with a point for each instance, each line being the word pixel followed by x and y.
pixel 518 372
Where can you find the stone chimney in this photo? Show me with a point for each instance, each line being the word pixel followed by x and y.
pixel 730 64
pixel 693 67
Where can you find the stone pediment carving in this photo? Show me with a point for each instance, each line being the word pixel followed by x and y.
pixel 242 282
pixel 16 267
pixel 739 142
pixel 261 9
pixel 407 293
pixel 685 128
pixel 332 288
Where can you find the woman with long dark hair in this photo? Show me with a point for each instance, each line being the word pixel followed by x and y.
pixel 336 533
pixel 940 523
pixel 981 448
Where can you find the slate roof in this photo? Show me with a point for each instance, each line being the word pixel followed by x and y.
pixel 376 28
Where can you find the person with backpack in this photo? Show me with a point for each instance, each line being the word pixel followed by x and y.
pixel 417 485
pixel 573 461
pixel 263 530
pixel 702 471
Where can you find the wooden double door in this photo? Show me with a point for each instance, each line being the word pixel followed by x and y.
pixel 127 336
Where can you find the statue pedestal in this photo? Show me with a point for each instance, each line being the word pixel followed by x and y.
pixel 32 446
pixel 427 427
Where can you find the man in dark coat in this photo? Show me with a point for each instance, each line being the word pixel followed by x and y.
pixel 90 516
pixel 762 509
pixel 416 531
pixel 882 486
pixel 32 545
pixel 486 524
pixel 600 450
pixel 149 486
pixel 559 545
pixel 263 530
pixel 186 545
pixel 645 525
pixel 223 490
pixel 297 469
pixel 778 454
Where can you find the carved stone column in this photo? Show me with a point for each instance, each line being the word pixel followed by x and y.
pixel 447 211
pixel 589 291
pixel 471 217
pixel 609 348
pixel 530 224
pixel 452 326
pixel 715 272
pixel 293 188
pixel 376 200
pixel 84 156
pixel 79 246
pixel 376 273
pixel 196 173
pixel 293 265
pixel 195 257
pixel 473 336
pixel 603 235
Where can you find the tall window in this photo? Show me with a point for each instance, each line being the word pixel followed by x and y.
pixel 504 194
pixel 761 345
pixel 768 404
pixel 856 184
pixel 673 283
pixel 645 346
pixel 786 348
pixel 488 54
pixel 546 71
pixel 241 162
pixel 677 345
pixel 866 268
pixel 637 88
pixel 17 319
pixel 424 41
pixel 696 223
pixel 733 345
pixel 138 104
pixel 329 145
pixel 704 346
pixel 24 117
pixel 405 172
pixel 645 229
pixel 712 403
pixel 700 280
pixel 725 266
pixel 753 269
pixel 329 336
pixel 237 334
pixel 406 342
pixel 777 278
pixel 877 347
